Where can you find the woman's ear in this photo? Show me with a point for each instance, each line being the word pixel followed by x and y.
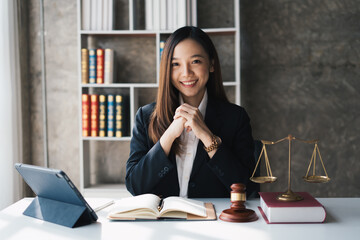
pixel 212 66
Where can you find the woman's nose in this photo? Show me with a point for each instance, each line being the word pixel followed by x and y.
pixel 186 71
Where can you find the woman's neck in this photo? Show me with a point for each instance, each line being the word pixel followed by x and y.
pixel 193 101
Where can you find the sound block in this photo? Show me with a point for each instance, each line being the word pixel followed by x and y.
pixel 241 215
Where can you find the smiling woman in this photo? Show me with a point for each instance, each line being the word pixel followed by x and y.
pixel 192 142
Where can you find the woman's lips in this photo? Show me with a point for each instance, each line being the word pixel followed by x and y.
pixel 189 83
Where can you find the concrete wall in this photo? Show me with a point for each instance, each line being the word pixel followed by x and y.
pixel 300 70
pixel 300 75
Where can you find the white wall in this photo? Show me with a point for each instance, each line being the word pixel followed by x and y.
pixel 10 105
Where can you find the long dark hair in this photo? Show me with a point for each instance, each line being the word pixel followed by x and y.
pixel 168 95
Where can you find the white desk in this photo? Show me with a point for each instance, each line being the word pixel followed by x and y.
pixel 342 222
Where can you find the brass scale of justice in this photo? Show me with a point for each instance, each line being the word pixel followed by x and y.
pixel 239 213
pixel 289 195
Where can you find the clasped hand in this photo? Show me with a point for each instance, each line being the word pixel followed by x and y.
pixel 190 118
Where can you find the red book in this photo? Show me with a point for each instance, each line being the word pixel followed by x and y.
pixel 308 210
pixel 85 115
pixel 100 65
pixel 94 101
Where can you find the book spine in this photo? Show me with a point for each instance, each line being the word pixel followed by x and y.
pixel 105 17
pixel 181 13
pixel 156 14
pixel 118 116
pixel 162 45
pixel 100 66
pixel 92 66
pixel 84 66
pixel 193 12
pixel 110 15
pixel 85 115
pixel 93 8
pixel 99 13
pixel 110 116
pixel 85 8
pixel 149 15
pixel 109 66
pixel 102 115
pixel 163 8
pixel 94 101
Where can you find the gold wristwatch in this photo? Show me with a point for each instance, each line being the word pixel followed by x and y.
pixel 215 143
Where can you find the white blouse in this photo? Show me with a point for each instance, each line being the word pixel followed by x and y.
pixel 185 159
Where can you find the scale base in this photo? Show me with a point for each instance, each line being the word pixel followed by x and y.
pixel 289 196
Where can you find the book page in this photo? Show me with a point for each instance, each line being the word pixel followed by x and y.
pixel 144 205
pixel 173 206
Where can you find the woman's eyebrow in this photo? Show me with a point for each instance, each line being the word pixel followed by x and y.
pixel 193 56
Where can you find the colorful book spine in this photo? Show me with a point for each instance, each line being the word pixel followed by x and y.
pixel 84 66
pixel 92 66
pixel 94 108
pixel 85 115
pixel 100 66
pixel 102 115
pixel 118 116
pixel 109 66
pixel 162 45
pixel 110 116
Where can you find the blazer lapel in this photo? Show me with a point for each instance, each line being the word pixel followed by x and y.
pixel 214 122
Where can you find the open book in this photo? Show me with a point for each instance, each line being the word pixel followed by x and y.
pixel 150 206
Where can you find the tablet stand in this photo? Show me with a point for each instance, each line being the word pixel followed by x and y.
pixel 65 214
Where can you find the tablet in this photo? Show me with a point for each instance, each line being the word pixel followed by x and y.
pixel 53 184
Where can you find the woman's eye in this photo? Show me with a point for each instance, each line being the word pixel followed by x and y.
pixel 174 64
pixel 196 61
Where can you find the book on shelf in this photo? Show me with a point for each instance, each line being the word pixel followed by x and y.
pixel 102 116
pixel 169 14
pixel 162 45
pixel 156 14
pixel 99 66
pixel 94 113
pixel 84 65
pixel 109 66
pixel 92 65
pixel 85 14
pixel 193 12
pixel 110 115
pixel 105 18
pixel 110 15
pixel 308 210
pixel 163 13
pixel 149 25
pixel 85 99
pixel 97 14
pixel 119 116
pixel 150 206
pixel 182 14
pixel 93 13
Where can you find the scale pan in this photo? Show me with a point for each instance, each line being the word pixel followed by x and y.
pixel 316 179
pixel 265 179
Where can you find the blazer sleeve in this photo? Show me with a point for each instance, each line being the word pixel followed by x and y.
pixel 147 164
pixel 234 160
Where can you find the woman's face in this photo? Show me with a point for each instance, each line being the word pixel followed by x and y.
pixel 190 70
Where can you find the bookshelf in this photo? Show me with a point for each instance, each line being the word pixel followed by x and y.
pixel 103 159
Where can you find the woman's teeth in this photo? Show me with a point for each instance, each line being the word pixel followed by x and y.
pixel 188 83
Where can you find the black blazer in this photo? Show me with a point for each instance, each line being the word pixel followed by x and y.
pixel 149 170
